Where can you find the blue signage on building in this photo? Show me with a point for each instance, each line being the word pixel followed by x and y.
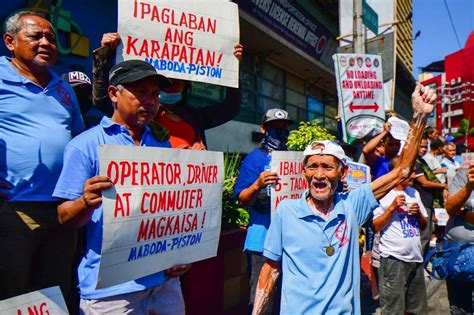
pixel 291 21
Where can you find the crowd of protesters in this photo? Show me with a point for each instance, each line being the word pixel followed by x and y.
pixel 50 188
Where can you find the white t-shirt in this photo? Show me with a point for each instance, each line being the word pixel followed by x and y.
pixel 400 238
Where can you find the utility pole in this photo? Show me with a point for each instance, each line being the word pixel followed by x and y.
pixel 358 37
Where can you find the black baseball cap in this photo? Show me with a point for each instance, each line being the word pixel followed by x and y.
pixel 133 70
pixel 76 78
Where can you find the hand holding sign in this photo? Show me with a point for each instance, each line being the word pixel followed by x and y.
pixel 177 271
pixel 92 196
pixel 238 51
pixel 80 210
pixel 266 178
pixel 399 128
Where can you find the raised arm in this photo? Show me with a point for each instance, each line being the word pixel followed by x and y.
pixel 369 148
pixel 266 282
pixel 455 202
pixel 103 58
pixel 422 100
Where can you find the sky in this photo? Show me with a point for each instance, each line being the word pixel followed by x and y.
pixel 437 37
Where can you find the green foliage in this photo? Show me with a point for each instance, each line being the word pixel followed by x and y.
pixel 232 214
pixel 464 125
pixel 463 129
pixel 306 133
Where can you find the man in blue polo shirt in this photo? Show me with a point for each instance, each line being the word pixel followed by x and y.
pixel 134 90
pixel 39 114
pixel 250 189
pixel 314 240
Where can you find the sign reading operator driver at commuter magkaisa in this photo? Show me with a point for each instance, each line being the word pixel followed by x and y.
pixel 164 210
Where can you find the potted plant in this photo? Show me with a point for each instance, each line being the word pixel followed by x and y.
pixel 306 133
pixel 219 285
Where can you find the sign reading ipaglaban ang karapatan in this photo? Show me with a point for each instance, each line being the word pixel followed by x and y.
pixel 163 210
pixel 291 182
pixel 360 92
pixel 191 40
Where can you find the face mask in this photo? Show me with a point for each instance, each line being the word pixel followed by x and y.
pixel 275 139
pixel 170 98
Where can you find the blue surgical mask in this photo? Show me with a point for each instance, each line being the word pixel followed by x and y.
pixel 170 98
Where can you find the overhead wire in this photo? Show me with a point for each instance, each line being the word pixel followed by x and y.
pixel 452 24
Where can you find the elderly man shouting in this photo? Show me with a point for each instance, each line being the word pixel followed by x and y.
pixel 314 240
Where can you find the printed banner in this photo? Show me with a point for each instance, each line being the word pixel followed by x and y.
pixel 360 91
pixel 467 158
pixel 291 184
pixel 357 175
pixel 190 40
pixel 163 210
pixel 292 22
pixel 442 216
pixel 48 301
pixel 399 129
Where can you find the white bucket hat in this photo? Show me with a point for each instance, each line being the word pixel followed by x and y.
pixel 325 147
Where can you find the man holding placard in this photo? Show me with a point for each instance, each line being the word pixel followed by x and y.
pixel 134 89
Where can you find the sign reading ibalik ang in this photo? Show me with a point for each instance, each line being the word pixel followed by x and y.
pixel 360 92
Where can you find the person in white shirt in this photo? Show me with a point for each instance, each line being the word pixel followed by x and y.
pixel 399 219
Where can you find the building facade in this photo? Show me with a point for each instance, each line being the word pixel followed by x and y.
pixel 287 61
pixel 456 90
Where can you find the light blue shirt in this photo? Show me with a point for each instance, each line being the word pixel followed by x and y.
pixel 313 282
pixel 35 125
pixel 81 162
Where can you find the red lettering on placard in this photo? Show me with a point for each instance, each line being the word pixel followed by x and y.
pixel 151 48
pixel 144 173
pixel 153 228
pixel 122 206
pixel 179 36
pixel 174 200
pixel 154 13
pixel 202 174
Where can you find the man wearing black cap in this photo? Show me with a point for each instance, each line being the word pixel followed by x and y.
pixel 250 190
pixel 134 90
pixel 82 86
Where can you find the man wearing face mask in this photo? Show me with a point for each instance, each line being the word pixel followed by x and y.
pixel 186 125
pixel 250 189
